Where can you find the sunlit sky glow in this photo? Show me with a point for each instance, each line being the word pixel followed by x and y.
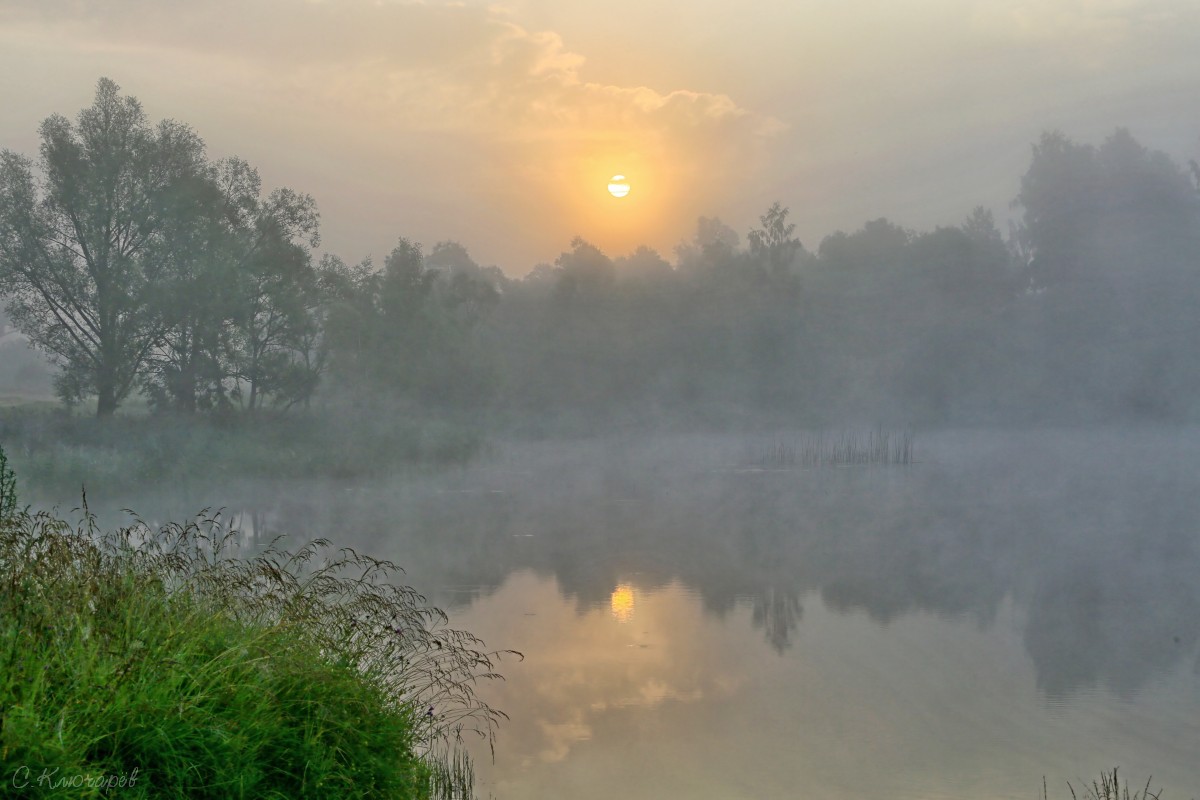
pixel 500 124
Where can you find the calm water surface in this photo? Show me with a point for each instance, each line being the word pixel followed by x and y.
pixel 696 625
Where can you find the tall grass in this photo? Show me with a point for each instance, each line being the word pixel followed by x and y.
pixel 166 655
pixel 877 446
pixel 57 452
pixel 1107 788
pixel 8 489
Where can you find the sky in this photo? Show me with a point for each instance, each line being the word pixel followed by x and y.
pixel 498 124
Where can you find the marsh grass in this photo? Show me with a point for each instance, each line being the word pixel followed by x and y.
pixel 877 446
pixel 1108 787
pixel 57 452
pixel 8 489
pixel 302 674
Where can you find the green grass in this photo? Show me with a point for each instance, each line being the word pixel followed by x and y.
pixel 162 657
pixel 57 452
pixel 8 489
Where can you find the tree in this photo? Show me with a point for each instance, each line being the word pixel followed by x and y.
pixel 408 332
pixel 1111 233
pixel 774 243
pixel 239 296
pixel 276 300
pixel 712 246
pixel 586 272
pixel 643 264
pixel 83 245
pixel 187 369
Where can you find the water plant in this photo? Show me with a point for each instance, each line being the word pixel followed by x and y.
pixel 877 446
pixel 166 657
pixel 1108 787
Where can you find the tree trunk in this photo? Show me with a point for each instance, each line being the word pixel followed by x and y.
pixel 106 401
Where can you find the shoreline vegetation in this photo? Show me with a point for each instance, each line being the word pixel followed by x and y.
pixel 58 452
pixel 166 658
pixel 1108 787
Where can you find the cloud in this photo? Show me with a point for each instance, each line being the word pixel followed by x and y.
pixel 442 64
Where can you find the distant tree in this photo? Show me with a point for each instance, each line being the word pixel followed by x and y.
pixel 276 296
pixel 965 269
pixel 1110 232
pixel 238 297
pixel 586 271
pixel 712 232
pixel 541 273
pixel 451 258
pixel 774 243
pixel 1117 209
pixel 352 319
pixel 83 243
pixel 712 245
pixel 408 332
pixel 186 370
pixel 467 288
pixel 644 263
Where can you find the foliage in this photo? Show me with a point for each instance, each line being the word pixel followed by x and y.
pixel 241 304
pixel 212 675
pixel 1110 233
pixel 774 242
pixel 83 248
pixel 408 332
pixel 8 489
pixel 206 299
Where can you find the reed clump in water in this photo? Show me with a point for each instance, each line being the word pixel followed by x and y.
pixel 164 656
pixel 847 448
pixel 1108 788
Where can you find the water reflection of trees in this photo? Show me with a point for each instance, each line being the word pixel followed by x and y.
pixel 1099 556
pixel 777 612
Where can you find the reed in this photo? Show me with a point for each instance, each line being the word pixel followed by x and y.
pixel 8 489
pixel 1108 787
pixel 877 446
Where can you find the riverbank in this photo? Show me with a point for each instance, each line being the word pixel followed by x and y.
pixel 58 452
pixel 164 664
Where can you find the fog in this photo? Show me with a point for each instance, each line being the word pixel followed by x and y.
pixel 1008 605
pixel 880 510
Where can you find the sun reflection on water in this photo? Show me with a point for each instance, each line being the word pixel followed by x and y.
pixel 621 602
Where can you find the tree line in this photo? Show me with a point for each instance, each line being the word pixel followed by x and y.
pixel 140 265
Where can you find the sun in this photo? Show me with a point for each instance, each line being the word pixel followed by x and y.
pixel 618 186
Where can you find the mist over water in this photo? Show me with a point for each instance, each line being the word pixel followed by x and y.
pixel 1012 604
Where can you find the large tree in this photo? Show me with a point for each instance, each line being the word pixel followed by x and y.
pixel 1111 233
pixel 276 301
pixel 83 244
